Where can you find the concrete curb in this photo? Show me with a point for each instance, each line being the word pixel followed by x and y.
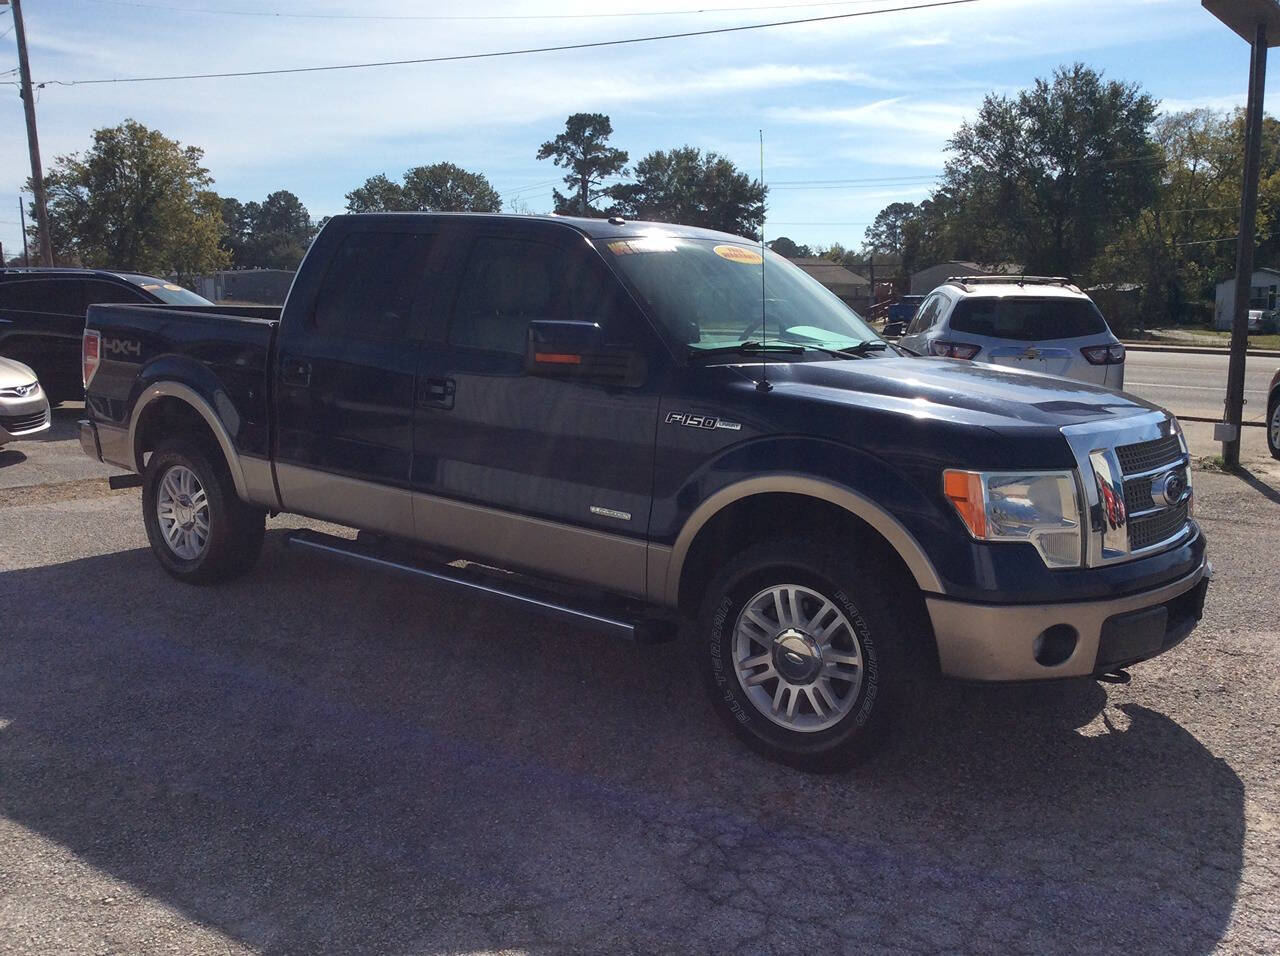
pixel 1196 349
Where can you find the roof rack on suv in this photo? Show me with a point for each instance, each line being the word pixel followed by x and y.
pixel 1013 280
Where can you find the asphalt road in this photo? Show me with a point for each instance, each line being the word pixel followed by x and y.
pixel 322 759
pixel 1192 384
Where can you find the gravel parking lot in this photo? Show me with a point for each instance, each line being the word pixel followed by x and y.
pixel 322 759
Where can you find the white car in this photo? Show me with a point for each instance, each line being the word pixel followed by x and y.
pixel 24 409
pixel 1028 322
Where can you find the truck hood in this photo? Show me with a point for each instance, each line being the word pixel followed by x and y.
pixel 957 390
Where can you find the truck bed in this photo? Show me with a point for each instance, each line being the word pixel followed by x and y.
pixel 224 352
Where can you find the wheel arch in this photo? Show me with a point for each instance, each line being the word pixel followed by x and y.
pixel 157 404
pixel 762 494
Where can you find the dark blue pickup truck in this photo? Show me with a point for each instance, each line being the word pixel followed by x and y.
pixel 654 430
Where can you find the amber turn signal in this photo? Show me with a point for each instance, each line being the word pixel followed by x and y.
pixel 964 490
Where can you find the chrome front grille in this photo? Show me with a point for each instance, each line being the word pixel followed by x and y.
pixel 1153 529
pixel 1143 456
pixel 1154 517
pixel 1136 483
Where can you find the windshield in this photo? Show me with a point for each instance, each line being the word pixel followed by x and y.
pixel 1026 319
pixel 707 293
pixel 169 292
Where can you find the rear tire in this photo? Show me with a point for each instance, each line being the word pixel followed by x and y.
pixel 802 653
pixel 199 530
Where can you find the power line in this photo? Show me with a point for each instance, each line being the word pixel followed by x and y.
pixel 503 53
pixel 480 17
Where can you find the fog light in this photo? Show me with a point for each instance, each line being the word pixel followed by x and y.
pixel 1055 644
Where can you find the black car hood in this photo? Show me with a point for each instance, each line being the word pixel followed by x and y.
pixel 956 390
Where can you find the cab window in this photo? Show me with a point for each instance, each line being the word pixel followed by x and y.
pixel 509 282
pixel 370 286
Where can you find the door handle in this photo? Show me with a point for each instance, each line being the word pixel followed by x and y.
pixel 296 372
pixel 437 392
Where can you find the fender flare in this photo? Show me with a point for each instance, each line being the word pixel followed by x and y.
pixel 892 530
pixel 193 398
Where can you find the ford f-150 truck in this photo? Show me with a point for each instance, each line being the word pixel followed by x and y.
pixel 658 430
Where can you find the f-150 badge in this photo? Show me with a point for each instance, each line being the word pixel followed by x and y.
pixel 701 421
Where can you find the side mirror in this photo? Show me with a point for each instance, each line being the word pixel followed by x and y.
pixel 894 329
pixel 577 350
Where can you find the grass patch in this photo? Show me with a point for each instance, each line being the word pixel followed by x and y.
pixel 1208 337
pixel 1214 463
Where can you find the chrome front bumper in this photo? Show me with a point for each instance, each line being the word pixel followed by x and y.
pixel 998 642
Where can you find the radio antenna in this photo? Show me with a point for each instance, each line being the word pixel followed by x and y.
pixel 763 385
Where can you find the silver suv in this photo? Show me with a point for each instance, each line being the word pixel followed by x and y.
pixel 1039 324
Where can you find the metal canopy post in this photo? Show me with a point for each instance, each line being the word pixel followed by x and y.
pixel 1258 22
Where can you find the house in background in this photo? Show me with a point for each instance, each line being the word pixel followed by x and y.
pixel 854 290
pixel 1262 295
pixel 258 286
pixel 926 280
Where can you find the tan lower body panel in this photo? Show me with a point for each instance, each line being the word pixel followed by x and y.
pixel 995 642
pixel 506 540
pixel 116 447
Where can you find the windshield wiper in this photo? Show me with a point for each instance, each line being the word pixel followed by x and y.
pixel 748 348
pixel 861 350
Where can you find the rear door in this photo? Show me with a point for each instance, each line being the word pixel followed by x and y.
pixel 41 324
pixel 346 376
pixel 549 474
pixel 926 317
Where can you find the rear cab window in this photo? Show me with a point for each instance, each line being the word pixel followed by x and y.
pixel 370 286
pixel 1027 319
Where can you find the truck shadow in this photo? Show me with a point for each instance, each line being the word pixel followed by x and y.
pixel 319 759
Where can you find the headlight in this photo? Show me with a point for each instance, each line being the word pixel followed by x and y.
pixel 1040 507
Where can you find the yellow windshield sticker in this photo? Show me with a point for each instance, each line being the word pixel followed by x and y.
pixel 741 254
pixel 174 288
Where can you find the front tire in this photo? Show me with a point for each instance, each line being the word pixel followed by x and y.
pixel 801 653
pixel 199 530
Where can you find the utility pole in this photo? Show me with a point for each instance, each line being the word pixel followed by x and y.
pixel 22 217
pixel 33 141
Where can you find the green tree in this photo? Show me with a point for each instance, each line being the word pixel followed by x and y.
pixel 583 149
pixel 444 187
pixel 272 234
pixel 887 235
pixel 687 186
pixel 1051 176
pixel 439 187
pixel 788 249
pixel 378 194
pixel 136 200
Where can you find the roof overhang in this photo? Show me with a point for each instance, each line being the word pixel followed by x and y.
pixel 1243 17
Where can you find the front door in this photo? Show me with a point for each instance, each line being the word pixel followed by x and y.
pixel 552 475
pixel 346 378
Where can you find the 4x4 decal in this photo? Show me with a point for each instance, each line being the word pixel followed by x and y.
pixel 701 421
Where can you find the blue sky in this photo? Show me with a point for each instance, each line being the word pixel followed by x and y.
pixel 872 99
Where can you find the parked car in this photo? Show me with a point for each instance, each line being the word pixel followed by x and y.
pixel 1273 416
pixel 659 438
pixel 42 316
pixel 24 408
pixel 1032 323
pixel 900 313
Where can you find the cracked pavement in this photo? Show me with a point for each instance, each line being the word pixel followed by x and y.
pixel 319 758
